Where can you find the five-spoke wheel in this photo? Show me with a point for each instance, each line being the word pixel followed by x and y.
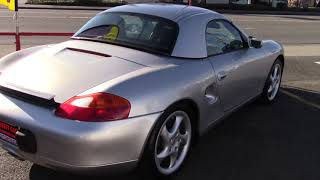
pixel 275 79
pixel 169 143
pixel 173 142
pixel 273 82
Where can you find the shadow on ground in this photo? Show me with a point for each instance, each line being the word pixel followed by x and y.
pixel 277 142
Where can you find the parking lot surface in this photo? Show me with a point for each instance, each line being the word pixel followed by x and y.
pixel 258 142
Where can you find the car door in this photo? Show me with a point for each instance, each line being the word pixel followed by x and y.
pixel 232 61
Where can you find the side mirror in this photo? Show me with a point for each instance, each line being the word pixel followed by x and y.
pixel 255 43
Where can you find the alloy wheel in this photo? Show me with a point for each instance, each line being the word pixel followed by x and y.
pixel 275 80
pixel 173 142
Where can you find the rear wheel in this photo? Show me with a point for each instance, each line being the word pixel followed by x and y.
pixel 169 144
pixel 272 85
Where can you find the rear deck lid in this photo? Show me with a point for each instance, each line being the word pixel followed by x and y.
pixel 62 73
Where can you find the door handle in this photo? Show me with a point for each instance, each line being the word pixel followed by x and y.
pixel 222 75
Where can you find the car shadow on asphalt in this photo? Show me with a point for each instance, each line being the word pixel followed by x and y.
pixel 278 141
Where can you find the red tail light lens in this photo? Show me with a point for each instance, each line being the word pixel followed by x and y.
pixel 98 107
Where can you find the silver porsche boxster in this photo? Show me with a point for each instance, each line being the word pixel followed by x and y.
pixel 132 89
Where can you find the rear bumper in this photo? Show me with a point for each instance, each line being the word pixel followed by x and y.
pixel 79 147
pixel 116 168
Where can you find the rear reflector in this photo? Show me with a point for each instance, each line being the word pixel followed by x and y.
pixel 98 107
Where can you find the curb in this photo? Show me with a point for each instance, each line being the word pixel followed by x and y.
pixel 226 11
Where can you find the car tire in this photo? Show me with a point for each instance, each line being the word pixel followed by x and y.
pixel 273 82
pixel 155 161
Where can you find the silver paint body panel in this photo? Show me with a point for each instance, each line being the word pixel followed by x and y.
pixel 217 85
pixel 64 143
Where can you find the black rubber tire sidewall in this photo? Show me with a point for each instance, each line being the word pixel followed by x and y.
pixel 264 96
pixel 147 167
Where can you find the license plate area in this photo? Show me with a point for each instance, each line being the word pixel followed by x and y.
pixel 8 133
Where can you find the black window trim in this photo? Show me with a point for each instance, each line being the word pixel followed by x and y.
pixel 246 45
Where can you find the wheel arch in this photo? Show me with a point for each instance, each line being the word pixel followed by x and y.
pixel 281 58
pixel 195 113
pixel 195 120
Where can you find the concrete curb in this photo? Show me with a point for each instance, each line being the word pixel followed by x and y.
pixel 303 13
pixel 302 50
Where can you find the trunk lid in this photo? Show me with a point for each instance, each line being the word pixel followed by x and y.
pixel 65 70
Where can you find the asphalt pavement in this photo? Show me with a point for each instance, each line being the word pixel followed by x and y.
pixel 278 141
pixel 287 29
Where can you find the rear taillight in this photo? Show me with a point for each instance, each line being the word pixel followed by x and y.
pixel 98 107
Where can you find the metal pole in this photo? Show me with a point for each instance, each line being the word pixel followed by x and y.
pixel 18 43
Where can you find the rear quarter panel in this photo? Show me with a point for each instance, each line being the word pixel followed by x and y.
pixel 154 89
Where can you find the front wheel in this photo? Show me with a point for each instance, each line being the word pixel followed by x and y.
pixel 169 144
pixel 272 85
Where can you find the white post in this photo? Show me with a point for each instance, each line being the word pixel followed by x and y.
pixel 16 18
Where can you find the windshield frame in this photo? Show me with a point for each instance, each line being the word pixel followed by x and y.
pixel 133 45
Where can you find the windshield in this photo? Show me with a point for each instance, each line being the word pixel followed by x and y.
pixel 132 30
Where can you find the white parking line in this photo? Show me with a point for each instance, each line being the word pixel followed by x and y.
pixel 249 28
pixel 302 100
pixel 317 62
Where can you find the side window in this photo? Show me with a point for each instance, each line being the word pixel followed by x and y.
pixel 222 37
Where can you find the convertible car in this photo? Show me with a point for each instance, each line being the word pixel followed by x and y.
pixel 132 89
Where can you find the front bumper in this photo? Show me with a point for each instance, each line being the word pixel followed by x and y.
pixel 77 146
